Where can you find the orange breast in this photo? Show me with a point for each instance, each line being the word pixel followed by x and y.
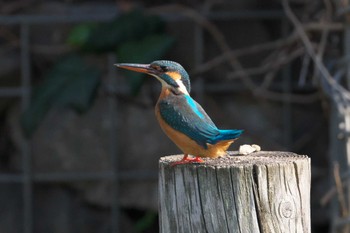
pixel 186 144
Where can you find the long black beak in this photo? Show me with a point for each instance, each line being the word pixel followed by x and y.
pixel 141 68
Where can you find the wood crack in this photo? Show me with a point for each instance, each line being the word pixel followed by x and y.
pixel 201 204
pixel 295 165
pixel 255 187
pixel 234 199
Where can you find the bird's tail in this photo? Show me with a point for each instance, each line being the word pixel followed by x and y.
pixel 228 134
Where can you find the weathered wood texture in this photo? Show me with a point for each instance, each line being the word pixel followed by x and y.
pixel 261 192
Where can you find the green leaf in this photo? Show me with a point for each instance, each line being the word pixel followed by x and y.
pixel 146 221
pixel 151 48
pixel 80 34
pixel 107 36
pixel 70 83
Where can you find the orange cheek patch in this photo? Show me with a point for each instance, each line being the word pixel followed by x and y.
pixel 174 75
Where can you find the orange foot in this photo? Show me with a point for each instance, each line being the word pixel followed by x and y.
pixel 186 159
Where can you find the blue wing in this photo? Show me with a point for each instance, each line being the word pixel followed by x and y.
pixel 184 114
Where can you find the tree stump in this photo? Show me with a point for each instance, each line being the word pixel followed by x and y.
pixel 259 193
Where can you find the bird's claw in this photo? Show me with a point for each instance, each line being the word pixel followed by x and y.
pixel 186 160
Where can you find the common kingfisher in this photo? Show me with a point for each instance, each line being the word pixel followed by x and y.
pixel 181 118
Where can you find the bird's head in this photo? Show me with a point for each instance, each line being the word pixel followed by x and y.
pixel 171 74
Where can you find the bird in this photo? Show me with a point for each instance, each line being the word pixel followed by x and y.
pixel 181 118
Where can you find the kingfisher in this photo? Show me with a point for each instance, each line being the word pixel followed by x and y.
pixel 181 118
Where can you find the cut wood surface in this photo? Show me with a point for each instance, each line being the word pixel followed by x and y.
pixel 260 192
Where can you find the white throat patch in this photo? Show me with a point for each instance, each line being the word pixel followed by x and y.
pixel 182 87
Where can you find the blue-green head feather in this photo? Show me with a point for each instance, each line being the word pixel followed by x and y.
pixel 168 68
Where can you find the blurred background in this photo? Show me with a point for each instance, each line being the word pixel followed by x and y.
pixel 79 142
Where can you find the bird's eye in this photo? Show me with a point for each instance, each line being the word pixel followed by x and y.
pixel 156 67
pixel 160 68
